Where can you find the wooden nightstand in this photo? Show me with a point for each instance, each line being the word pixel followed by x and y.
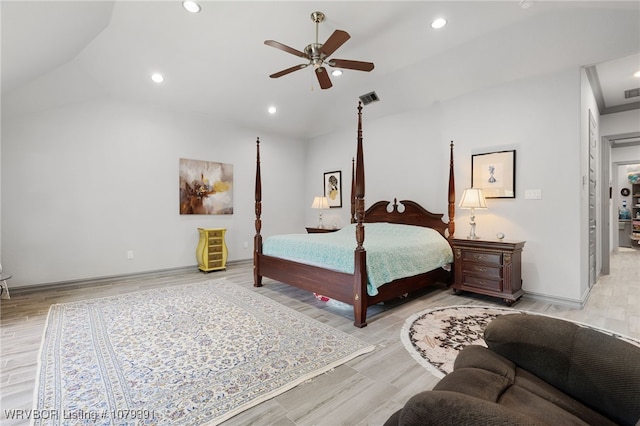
pixel 320 230
pixel 490 267
pixel 211 252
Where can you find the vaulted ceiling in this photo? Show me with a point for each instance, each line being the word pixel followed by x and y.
pixel 215 62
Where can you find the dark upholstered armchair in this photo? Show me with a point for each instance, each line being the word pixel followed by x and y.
pixel 537 370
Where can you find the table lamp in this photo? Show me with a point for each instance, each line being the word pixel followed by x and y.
pixel 473 198
pixel 320 203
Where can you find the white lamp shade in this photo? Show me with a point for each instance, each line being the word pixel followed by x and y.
pixel 320 203
pixel 473 198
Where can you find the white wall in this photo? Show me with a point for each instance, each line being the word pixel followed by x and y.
pixel 621 123
pixel 84 184
pixel 406 156
pixel 626 154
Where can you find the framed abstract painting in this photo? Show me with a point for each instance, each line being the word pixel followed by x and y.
pixel 206 187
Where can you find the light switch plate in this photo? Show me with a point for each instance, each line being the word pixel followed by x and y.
pixel 533 194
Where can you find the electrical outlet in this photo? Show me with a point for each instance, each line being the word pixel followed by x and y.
pixel 129 254
pixel 245 244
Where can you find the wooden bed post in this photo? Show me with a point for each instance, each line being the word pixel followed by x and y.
pixel 359 184
pixel 257 240
pixel 452 196
pixel 353 191
pixel 360 255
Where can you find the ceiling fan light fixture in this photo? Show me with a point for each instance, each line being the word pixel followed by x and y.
pixel 156 77
pixel 191 6
pixel 272 109
pixel 336 73
pixel 438 23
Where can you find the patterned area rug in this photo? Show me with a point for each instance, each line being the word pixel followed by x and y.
pixel 185 355
pixel 435 336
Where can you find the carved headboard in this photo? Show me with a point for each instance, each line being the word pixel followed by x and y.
pixel 406 212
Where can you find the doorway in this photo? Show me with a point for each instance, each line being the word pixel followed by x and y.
pixel 625 200
pixel 616 150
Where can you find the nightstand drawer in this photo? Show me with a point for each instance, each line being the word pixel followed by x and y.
pixel 484 283
pixel 484 257
pixel 481 270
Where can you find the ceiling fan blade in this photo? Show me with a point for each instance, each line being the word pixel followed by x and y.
pixel 288 70
pixel 351 65
pixel 337 39
pixel 285 48
pixel 323 78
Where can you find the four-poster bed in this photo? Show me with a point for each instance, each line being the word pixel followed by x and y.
pixel 351 287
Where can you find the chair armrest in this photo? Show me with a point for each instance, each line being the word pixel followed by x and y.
pixel 597 369
pixel 444 408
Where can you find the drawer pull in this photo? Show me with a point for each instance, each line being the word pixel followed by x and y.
pixel 481 257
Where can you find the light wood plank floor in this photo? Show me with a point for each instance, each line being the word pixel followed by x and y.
pixel 365 391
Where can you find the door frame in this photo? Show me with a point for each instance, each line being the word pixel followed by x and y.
pixel 609 179
pixel 605 205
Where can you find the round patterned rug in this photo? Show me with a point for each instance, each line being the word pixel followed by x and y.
pixel 434 337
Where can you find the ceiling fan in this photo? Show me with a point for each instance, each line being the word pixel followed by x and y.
pixel 318 55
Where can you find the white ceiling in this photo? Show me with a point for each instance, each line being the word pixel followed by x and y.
pixel 215 62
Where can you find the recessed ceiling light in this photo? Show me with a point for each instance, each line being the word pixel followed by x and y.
pixel 191 6
pixel 336 73
pixel 438 23
pixel 157 77
pixel 636 74
pixel 272 110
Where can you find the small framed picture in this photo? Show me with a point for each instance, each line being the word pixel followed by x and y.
pixel 495 173
pixel 333 188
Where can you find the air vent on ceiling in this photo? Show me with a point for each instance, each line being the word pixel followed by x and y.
pixel 369 97
pixel 632 93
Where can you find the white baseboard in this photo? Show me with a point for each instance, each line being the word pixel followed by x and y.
pixel 97 280
pixel 571 303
